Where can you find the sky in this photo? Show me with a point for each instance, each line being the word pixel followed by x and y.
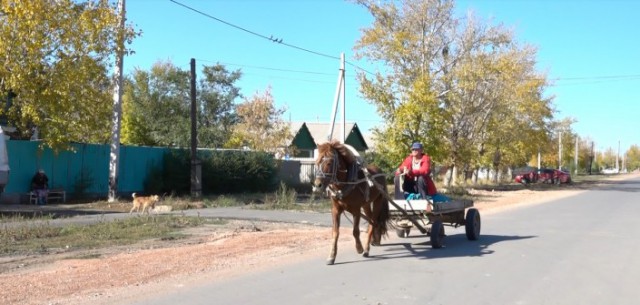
pixel 589 49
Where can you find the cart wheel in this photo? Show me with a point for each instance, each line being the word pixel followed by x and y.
pixel 437 234
pixel 403 232
pixel 472 224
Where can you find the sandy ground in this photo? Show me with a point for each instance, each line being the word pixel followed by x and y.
pixel 210 254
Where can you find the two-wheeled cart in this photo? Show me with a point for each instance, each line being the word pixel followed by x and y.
pixel 430 218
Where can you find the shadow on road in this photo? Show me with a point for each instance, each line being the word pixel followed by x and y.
pixel 454 246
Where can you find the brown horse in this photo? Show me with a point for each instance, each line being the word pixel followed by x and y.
pixel 352 188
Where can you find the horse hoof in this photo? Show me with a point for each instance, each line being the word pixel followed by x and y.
pixel 366 254
pixel 330 261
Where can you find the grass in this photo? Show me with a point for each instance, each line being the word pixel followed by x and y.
pixel 36 234
pixel 42 237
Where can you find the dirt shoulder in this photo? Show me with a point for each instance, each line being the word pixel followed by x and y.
pixel 211 253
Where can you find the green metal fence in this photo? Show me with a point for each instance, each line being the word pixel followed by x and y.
pixel 84 171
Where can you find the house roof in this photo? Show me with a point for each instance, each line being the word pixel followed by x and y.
pixel 309 135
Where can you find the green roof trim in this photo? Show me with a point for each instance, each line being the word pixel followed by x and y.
pixel 303 139
pixel 356 139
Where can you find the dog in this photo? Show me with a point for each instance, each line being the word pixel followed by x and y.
pixel 145 202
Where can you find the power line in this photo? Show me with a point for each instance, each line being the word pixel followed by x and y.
pixel 270 38
pixel 622 77
pixel 584 79
pixel 268 68
pixel 591 79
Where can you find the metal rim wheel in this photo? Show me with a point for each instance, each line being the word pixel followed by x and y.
pixel 403 232
pixel 472 224
pixel 437 234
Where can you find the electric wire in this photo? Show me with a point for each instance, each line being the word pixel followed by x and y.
pixel 587 79
pixel 270 38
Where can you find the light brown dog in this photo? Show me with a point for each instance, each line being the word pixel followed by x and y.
pixel 144 202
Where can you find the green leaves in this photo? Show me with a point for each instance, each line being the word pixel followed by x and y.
pixel 156 110
pixel 462 86
pixel 56 57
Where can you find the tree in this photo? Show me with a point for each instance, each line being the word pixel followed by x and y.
pixel 217 94
pixel 156 110
pixel 260 126
pixel 607 159
pixel 633 158
pixel 56 57
pixel 449 82
pixel 561 133
pixel 518 125
pixel 407 41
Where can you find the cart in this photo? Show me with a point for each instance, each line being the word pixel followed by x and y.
pixel 406 214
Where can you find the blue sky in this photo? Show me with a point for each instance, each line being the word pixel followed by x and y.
pixel 590 49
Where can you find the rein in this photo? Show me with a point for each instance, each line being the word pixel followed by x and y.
pixel 352 180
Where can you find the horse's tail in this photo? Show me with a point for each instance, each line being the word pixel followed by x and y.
pixel 384 217
pixel 383 220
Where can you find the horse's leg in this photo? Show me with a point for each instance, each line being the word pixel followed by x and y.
pixel 367 212
pixel 356 229
pixel 336 212
pixel 375 225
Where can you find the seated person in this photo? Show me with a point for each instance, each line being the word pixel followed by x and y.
pixel 413 176
pixel 40 186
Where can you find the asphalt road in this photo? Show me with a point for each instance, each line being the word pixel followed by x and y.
pixel 578 250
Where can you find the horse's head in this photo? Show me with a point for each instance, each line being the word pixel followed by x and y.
pixel 332 164
pixel 326 168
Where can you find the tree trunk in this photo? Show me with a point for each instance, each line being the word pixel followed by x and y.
pixel 474 176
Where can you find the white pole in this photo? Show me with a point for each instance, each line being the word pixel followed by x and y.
pixel 114 156
pixel 617 156
pixel 560 150
pixel 576 158
pixel 336 100
pixel 344 101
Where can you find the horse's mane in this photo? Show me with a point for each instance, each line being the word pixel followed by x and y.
pixel 345 152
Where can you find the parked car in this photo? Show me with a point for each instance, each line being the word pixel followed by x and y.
pixel 547 175
pixel 525 175
pixel 528 175
pixel 560 176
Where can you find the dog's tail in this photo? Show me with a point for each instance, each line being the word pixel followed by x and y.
pixel 133 195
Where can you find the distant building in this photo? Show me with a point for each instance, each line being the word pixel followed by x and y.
pixel 307 136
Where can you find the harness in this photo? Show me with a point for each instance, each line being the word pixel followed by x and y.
pixel 337 189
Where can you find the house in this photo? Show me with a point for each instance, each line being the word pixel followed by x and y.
pixel 307 136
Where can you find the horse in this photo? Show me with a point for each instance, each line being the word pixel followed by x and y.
pixel 352 187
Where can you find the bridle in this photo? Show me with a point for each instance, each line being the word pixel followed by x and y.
pixel 334 187
pixel 332 175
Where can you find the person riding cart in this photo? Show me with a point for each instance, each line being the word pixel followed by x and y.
pixel 413 175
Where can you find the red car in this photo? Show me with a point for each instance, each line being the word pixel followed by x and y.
pixel 545 175
pixel 526 175
pixel 560 176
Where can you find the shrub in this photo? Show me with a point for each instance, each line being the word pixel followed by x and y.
pixel 222 172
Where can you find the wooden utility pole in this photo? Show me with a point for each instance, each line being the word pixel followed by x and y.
pixel 114 156
pixel 196 165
